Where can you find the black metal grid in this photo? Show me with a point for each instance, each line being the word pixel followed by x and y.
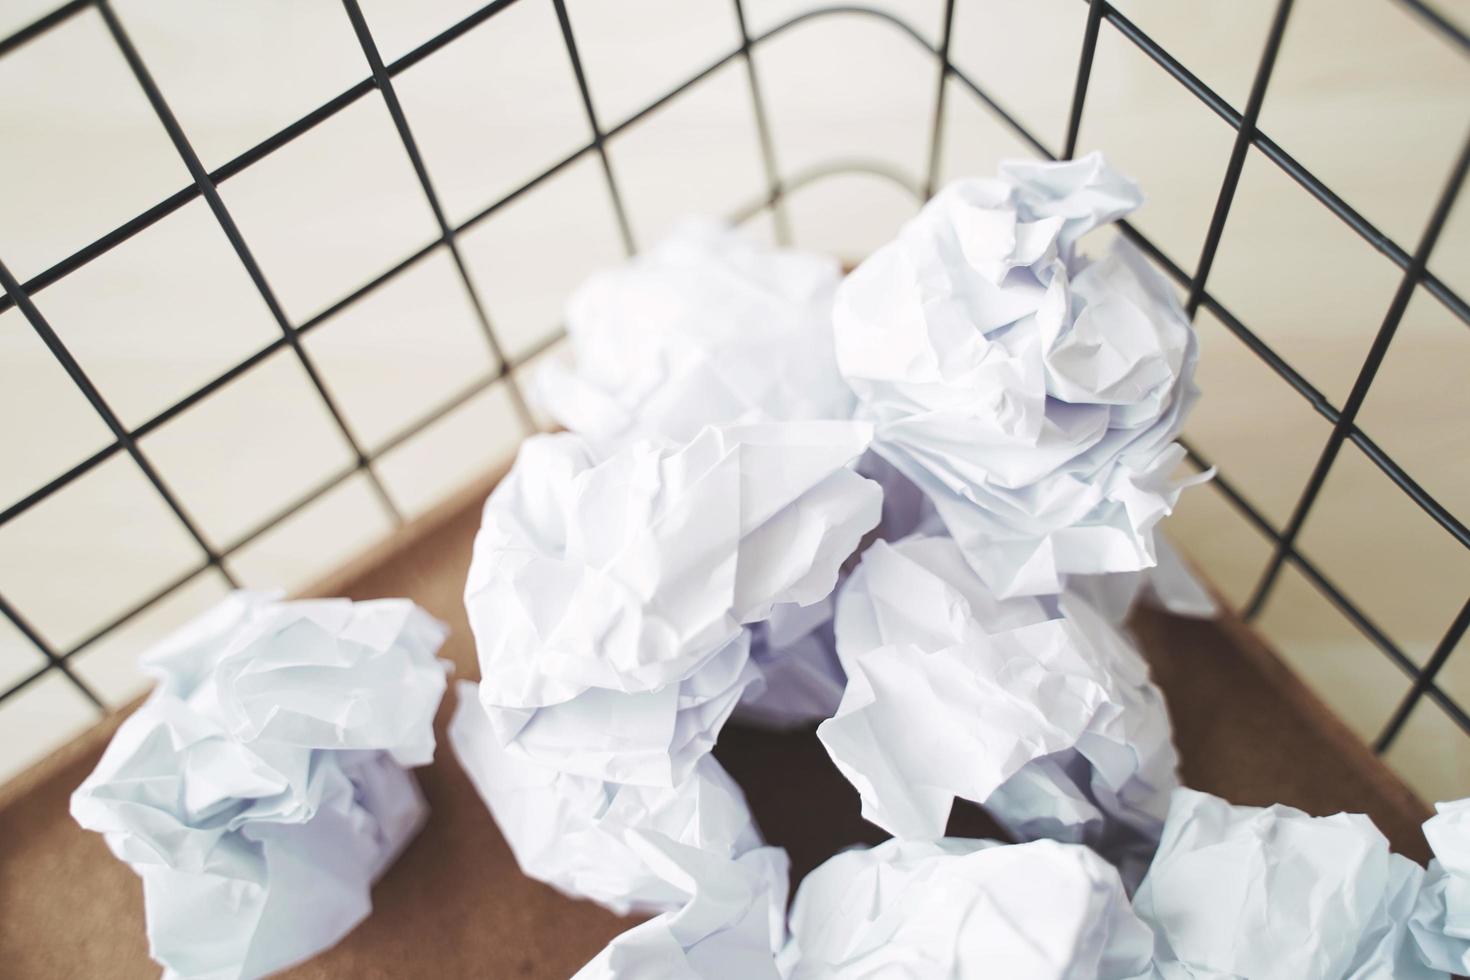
pixel 1411 262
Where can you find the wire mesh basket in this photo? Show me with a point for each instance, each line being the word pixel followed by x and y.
pixel 1409 261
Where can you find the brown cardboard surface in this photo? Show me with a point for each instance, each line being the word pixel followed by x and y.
pixel 455 905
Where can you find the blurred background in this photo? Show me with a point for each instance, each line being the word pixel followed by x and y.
pixel 1364 95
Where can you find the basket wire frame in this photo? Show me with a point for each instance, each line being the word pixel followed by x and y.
pixel 1100 15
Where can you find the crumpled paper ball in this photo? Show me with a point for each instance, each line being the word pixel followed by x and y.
pixel 572 832
pixel 260 789
pixel 1038 710
pixel 729 926
pixel 709 327
pixel 1441 920
pixel 608 596
pixel 1275 894
pixel 1031 392
pixel 961 908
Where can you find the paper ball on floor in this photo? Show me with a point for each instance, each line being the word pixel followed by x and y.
pixel 965 908
pixel 1038 710
pixel 260 789
pixel 608 598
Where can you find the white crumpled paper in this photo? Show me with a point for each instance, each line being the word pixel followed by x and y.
pixel 796 649
pixel 962 908
pixel 1441 921
pixel 710 327
pixel 802 680
pixel 1170 585
pixel 1038 710
pixel 1276 894
pixel 608 596
pixel 730 926
pixel 260 789
pixel 1031 392
pixel 572 831
pixel 707 328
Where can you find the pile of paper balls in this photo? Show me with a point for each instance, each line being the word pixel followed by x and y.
pixel 912 506
pixel 915 505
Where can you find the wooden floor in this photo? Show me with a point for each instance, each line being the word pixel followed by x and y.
pixel 455 904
